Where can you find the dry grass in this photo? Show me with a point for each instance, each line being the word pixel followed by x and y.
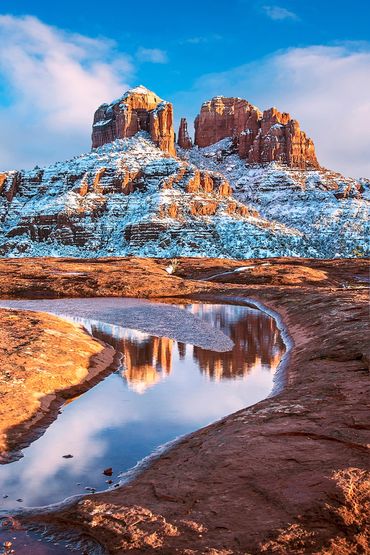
pixel 350 516
pixel 353 513
pixel 294 539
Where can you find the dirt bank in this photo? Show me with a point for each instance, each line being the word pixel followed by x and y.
pixel 43 361
pixel 288 475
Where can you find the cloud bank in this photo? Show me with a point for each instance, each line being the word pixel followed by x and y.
pixel 53 81
pixel 324 87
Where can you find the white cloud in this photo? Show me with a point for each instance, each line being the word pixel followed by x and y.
pixel 195 40
pixel 152 55
pixel 277 13
pixel 206 39
pixel 325 87
pixel 54 81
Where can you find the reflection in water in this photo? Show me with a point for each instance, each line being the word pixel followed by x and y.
pixel 255 336
pixel 30 543
pixel 145 363
pixel 162 389
pixel 147 359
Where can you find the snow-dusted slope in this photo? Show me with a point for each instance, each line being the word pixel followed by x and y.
pixel 129 197
pixel 332 212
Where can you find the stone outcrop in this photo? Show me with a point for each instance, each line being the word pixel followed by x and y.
pixel 137 110
pixel 183 140
pixel 259 137
pixel 9 183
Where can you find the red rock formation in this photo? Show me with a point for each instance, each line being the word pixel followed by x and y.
pixel 224 117
pixel 3 178
pixel 259 137
pixel 184 141
pixel 204 181
pixel 9 184
pixel 137 110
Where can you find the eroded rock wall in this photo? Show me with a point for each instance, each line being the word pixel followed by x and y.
pixel 137 110
pixel 259 137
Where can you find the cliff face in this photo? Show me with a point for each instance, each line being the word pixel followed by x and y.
pixel 224 117
pixel 259 137
pixel 137 110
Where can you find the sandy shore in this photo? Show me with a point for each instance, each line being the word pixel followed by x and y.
pixel 288 475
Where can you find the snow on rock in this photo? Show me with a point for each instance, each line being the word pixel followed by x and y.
pixel 129 197
pixel 330 211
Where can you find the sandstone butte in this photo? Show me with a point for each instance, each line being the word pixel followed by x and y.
pixel 137 110
pixel 259 137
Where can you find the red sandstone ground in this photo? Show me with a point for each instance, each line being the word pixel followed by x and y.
pixel 288 475
pixel 43 361
pixel 143 277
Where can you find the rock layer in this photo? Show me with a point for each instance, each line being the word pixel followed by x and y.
pixel 137 110
pixel 125 198
pixel 259 137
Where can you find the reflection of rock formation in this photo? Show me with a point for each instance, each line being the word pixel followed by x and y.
pixel 255 335
pixel 146 363
pixel 148 359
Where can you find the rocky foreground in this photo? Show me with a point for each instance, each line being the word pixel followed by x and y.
pixel 288 475
pixel 44 360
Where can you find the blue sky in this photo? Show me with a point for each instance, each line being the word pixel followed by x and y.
pixel 311 58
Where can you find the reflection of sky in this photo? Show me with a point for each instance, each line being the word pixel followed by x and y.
pixel 113 425
pixel 28 543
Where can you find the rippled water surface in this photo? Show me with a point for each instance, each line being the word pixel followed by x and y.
pixel 163 388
